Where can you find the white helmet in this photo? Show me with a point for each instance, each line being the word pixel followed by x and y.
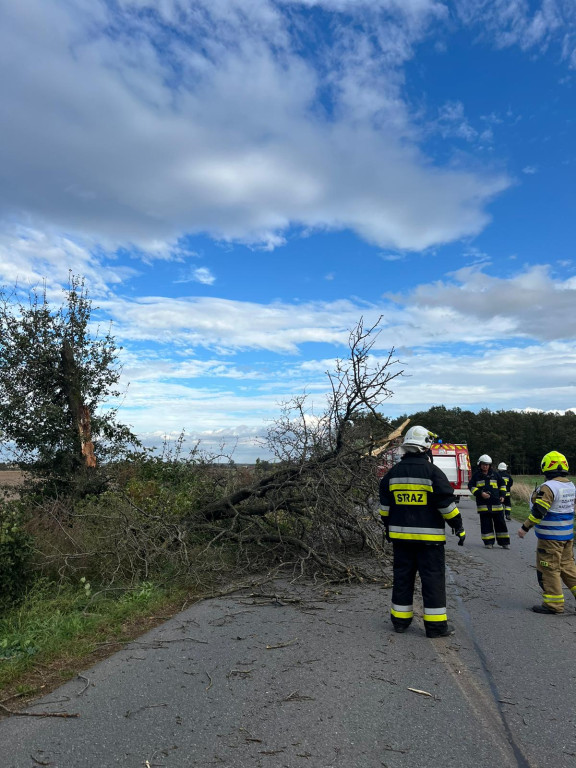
pixel 418 439
pixel 484 459
pixel 502 465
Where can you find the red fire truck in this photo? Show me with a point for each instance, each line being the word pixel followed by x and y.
pixel 454 461
pixel 451 458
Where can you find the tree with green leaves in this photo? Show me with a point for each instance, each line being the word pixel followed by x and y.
pixel 56 374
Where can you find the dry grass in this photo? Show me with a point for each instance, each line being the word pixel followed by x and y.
pixel 10 482
pixel 11 478
pixel 523 487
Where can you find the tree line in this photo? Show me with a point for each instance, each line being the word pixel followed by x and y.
pixel 516 438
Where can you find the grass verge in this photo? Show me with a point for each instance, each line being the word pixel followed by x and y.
pixel 520 510
pixel 56 632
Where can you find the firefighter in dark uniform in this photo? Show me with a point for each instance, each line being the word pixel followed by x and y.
pixel 489 491
pixel 509 482
pixel 416 500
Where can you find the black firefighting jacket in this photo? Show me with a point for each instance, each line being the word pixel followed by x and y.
pixel 492 483
pixel 415 501
pixel 507 479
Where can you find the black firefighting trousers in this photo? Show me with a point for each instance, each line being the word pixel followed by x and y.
pixel 493 526
pixel 427 560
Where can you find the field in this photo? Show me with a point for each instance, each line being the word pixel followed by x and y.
pixel 10 477
pixel 524 485
pixel 10 480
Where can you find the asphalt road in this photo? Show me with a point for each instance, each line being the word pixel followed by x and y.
pixel 317 678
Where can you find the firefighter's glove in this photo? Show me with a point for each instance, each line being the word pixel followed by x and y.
pixel 461 536
pixel 387 534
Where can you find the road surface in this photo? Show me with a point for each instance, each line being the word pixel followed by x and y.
pixel 316 678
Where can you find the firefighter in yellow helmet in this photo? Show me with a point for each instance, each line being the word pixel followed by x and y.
pixel 552 517
pixel 416 500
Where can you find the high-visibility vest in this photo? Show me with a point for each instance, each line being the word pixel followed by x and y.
pixel 558 522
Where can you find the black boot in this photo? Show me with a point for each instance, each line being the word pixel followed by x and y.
pixel 545 609
pixel 444 632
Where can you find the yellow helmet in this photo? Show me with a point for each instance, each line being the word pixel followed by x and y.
pixel 554 461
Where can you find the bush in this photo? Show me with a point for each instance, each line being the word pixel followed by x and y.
pixel 15 552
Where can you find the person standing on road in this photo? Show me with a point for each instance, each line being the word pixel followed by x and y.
pixel 552 516
pixel 509 482
pixel 416 500
pixel 489 490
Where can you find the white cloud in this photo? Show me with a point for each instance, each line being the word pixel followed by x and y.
pixel 531 304
pixel 473 340
pixel 229 325
pixel 496 378
pixel 470 307
pixel 493 378
pixel 523 23
pixel 232 327
pixel 391 256
pixel 452 122
pixel 135 127
pixel 197 275
pixel 31 258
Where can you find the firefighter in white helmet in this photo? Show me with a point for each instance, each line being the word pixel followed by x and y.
pixel 416 500
pixel 489 491
pixel 509 482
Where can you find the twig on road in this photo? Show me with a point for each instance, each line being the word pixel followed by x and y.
pixel 85 687
pixel 385 680
pixel 297 696
pixel 282 645
pixel 234 672
pixel 37 714
pixel 422 693
pixel 158 643
pixel 388 748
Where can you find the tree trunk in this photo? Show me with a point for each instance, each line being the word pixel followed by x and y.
pixel 79 412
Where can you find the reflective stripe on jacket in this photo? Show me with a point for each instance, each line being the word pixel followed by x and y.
pixel 415 501
pixel 507 480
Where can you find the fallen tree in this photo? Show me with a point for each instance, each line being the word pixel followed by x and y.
pixel 320 503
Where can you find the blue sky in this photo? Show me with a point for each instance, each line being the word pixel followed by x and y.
pixel 241 180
